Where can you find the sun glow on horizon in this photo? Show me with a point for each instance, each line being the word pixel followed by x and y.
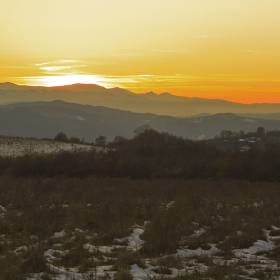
pixel 178 85
pixel 62 80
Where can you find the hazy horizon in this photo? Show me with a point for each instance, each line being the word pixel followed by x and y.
pixel 136 93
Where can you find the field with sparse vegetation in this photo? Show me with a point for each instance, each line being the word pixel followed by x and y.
pixel 17 146
pixel 101 228
pixel 153 207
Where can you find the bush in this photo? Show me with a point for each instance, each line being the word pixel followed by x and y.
pixel 127 258
pixel 123 274
pixel 33 261
pixel 61 136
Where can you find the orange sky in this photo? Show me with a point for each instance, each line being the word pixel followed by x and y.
pixel 226 49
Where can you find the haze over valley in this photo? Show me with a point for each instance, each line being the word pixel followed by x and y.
pixel 46 119
pixel 117 98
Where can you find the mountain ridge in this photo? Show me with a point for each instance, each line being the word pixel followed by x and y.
pixel 46 119
pixel 122 99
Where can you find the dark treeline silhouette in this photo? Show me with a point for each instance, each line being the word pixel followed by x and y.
pixel 62 137
pixel 259 133
pixel 149 155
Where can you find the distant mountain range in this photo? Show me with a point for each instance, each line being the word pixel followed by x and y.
pixel 117 98
pixel 46 119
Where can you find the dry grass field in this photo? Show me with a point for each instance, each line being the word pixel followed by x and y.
pixel 102 228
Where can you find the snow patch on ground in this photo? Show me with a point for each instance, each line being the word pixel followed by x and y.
pixel 13 147
pixel 134 241
pixel 3 209
pixel 142 274
pixel 258 246
pixel 102 249
pixel 101 272
pixel 20 249
pixel 59 234
pixel 170 204
pixel 49 254
pixel 199 232
pixel 184 253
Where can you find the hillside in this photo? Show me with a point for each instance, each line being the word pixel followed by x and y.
pixel 17 146
pixel 46 119
pixel 151 154
pixel 117 98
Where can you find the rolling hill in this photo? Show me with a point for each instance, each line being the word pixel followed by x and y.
pixel 46 119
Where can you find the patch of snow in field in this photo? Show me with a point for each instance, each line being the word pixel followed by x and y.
pixel 272 237
pixel 20 146
pixel 183 253
pixel 170 204
pixel 20 249
pixel 275 228
pixel 134 241
pixel 59 234
pixel 102 249
pixel 142 274
pixel 149 273
pixel 101 272
pixel 35 276
pixel 68 273
pixel 262 245
pixel 199 232
pixel 49 254
pixel 258 204
pixel 258 246
pixel 3 209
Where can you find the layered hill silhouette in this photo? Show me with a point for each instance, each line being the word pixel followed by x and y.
pixel 46 119
pixel 117 98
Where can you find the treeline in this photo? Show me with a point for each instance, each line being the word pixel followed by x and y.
pixel 260 133
pixel 61 136
pixel 149 155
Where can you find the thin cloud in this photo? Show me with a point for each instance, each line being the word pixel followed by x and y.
pixel 55 68
pixel 68 61
pixel 57 62
pixel 61 67
pixel 41 64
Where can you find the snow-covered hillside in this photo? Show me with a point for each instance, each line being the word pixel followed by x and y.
pixel 14 146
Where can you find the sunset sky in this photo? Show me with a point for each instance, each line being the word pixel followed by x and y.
pixel 222 49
